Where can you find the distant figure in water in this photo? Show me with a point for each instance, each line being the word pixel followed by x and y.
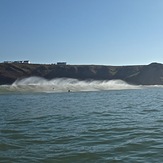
pixel 69 90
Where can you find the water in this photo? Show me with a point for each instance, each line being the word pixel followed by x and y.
pixel 120 125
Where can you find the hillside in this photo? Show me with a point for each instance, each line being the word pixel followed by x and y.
pixel 151 74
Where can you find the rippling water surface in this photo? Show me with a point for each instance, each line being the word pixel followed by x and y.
pixel 100 126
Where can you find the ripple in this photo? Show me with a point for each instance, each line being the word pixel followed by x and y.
pixel 109 126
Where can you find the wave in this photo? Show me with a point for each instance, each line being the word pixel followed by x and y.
pixel 37 84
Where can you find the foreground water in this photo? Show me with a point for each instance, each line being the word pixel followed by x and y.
pixel 99 126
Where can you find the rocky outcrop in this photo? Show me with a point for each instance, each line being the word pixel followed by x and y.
pixel 151 74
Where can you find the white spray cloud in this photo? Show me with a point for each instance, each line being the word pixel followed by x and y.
pixel 37 84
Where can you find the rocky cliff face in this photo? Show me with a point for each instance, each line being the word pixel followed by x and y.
pixel 151 74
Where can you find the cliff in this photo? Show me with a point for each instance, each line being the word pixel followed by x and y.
pixel 151 74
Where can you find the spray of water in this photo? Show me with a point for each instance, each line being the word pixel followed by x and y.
pixel 37 84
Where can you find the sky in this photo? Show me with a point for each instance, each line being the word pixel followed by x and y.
pixel 103 32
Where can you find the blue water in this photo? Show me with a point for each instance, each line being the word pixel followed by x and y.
pixel 99 126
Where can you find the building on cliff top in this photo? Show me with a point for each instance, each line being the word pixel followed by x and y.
pixel 61 63
pixel 26 61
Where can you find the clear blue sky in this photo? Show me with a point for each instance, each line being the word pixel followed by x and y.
pixel 108 32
